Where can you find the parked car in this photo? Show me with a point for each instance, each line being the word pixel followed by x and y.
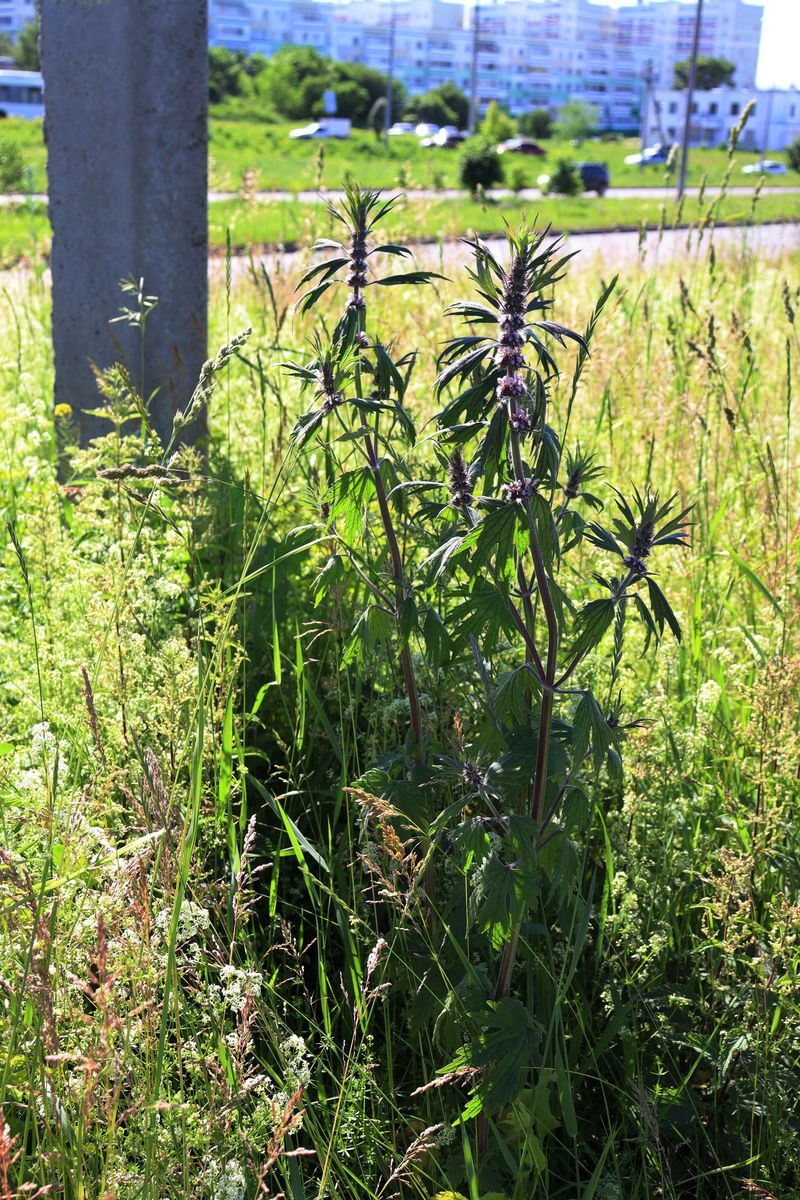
pixel 520 146
pixel 325 127
pixel 399 128
pixel 595 177
pixel 426 129
pixel 650 156
pixel 766 166
pixel 447 138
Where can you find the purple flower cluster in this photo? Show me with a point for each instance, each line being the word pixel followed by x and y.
pixel 511 386
pixel 521 489
pixel 357 279
pixel 460 486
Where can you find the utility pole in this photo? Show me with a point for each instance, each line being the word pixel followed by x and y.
pixel 127 164
pixel 770 98
pixel 698 18
pixel 648 83
pixel 473 79
pixel 389 74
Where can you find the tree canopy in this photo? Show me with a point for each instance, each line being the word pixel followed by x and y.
pixel 497 124
pixel 537 124
pixel 293 81
pixel 577 121
pixel 26 47
pixel 444 105
pixel 711 73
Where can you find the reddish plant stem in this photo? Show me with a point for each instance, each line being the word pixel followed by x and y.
pixel 396 558
pixel 398 573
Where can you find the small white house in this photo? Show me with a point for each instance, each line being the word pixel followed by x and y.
pixel 21 94
pixel 773 124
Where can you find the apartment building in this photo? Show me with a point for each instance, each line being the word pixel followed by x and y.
pixel 772 125
pixel 15 14
pixel 263 26
pixel 528 53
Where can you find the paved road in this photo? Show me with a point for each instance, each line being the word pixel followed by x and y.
pixel 315 197
pixel 615 249
pixel 628 193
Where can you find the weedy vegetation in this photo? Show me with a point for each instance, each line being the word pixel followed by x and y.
pixel 397 799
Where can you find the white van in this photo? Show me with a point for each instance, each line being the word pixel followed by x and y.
pixel 325 127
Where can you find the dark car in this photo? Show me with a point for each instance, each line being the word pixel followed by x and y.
pixel 520 146
pixel 594 176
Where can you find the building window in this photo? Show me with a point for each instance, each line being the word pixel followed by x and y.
pixel 734 110
pixel 712 108
pixel 673 106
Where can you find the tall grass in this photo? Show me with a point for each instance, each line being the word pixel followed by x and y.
pixel 210 986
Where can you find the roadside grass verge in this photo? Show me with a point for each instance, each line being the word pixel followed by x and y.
pixel 195 941
pixel 25 229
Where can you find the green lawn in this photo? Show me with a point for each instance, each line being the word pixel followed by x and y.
pixel 239 146
pixel 289 224
pixel 25 229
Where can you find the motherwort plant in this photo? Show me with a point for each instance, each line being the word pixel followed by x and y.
pixel 521 572
pixel 357 383
pixel 510 585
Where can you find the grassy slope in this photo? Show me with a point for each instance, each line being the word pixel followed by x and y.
pixel 237 146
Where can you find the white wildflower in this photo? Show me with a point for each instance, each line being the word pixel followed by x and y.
pixel 239 985
pixel 225 1181
pixel 298 1065
pixel 43 743
pixel 708 697
pixel 192 921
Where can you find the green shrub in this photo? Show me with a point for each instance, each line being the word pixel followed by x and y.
pixel 446 105
pixel 12 166
pixel 536 124
pixel 565 180
pixel 518 179
pixel 793 154
pixel 497 125
pixel 480 166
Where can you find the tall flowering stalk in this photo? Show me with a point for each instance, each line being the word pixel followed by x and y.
pixel 356 370
pixel 517 531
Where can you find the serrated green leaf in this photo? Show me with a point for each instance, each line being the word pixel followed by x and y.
pixel 592 622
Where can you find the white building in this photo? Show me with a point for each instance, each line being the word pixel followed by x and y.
pixel 772 125
pixel 15 14
pixel 529 53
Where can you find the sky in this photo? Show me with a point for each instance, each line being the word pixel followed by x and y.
pixel 779 62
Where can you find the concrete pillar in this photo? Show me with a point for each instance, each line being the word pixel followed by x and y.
pixel 126 103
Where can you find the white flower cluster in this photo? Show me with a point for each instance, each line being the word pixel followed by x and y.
pixel 225 1181
pixel 192 921
pixel 298 1064
pixel 708 698
pixel 43 743
pixel 398 709
pixel 239 985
